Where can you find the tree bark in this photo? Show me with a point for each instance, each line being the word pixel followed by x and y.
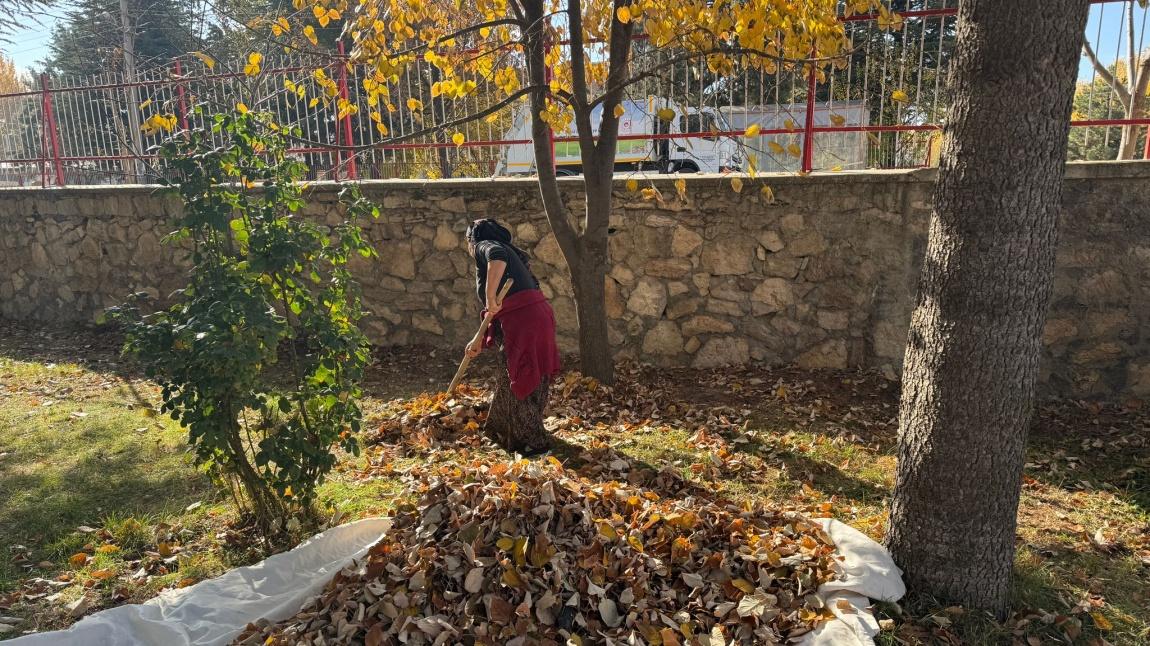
pixel 588 280
pixel 975 336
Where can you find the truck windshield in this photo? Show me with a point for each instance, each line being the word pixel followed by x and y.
pixel 699 122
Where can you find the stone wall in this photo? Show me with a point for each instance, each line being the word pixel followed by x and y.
pixel 824 277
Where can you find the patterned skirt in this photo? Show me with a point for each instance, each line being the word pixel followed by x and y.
pixel 517 424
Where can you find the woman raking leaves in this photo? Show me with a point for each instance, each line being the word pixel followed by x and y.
pixel 524 329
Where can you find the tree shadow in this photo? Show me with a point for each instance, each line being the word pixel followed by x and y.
pixel 1084 446
pixel 820 475
pixel 44 505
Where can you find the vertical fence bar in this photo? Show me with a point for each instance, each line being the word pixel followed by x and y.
pixel 352 174
pixel 50 127
pixel 181 94
pixel 547 75
pixel 809 127
pixel 337 154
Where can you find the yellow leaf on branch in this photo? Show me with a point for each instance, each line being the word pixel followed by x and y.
pixel 253 66
pixel 208 61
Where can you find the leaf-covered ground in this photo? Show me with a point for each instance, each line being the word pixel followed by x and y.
pixel 100 505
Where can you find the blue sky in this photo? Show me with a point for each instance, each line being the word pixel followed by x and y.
pixel 30 43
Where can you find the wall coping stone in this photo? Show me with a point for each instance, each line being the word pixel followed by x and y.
pixel 1076 170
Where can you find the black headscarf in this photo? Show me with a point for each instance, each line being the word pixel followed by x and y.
pixel 488 229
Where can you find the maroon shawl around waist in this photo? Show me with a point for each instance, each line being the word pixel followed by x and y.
pixel 528 340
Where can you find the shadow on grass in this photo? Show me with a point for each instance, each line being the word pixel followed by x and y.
pixel 1075 448
pixel 818 474
pixel 58 478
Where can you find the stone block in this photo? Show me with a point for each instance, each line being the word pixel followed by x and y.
pixel 549 252
pixel 1059 331
pixel 649 298
pixel 685 242
pixel 1100 353
pixel 613 300
pixel 668 268
pixel 437 267
pixel 771 241
pixel 830 354
pixel 697 325
pixel 455 204
pixel 728 257
pixel 889 340
pixel 397 261
pixel 727 308
pixel 677 308
pixel 426 323
pixel 808 243
pixel 664 339
pixel 722 351
pixel 446 239
pixel 791 224
pixel 772 295
pixel 1104 288
pixel 833 319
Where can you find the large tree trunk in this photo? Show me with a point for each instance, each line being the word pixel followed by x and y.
pixel 975 336
pixel 588 279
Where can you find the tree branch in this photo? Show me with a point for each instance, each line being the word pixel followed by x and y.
pixel 1131 53
pixel 1114 83
pixel 468 118
pixel 620 50
pixel 729 51
pixel 553 206
pixel 579 84
pixel 466 30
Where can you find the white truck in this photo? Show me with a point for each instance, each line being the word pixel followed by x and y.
pixel 703 152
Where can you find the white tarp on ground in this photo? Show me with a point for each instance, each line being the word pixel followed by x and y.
pixel 212 612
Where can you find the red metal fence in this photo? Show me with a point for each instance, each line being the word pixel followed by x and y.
pixel 880 108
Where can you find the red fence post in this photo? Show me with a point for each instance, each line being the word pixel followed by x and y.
pixel 52 135
pixel 343 92
pixel 809 127
pixel 181 95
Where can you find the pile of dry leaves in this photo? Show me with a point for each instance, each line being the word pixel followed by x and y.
pixel 528 553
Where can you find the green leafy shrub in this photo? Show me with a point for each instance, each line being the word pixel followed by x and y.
pixel 260 356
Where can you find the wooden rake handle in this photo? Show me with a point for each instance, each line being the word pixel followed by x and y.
pixel 483 325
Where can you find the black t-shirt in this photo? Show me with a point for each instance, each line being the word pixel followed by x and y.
pixel 489 250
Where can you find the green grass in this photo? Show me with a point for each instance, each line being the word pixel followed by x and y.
pixel 85 449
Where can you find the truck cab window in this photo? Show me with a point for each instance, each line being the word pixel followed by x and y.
pixel 698 123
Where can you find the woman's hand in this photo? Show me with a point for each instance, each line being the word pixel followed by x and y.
pixel 474 347
pixel 495 304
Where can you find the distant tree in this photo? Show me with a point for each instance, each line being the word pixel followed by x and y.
pixel 10 78
pixel 89 40
pixel 1097 100
pixel 1130 89
pixel 14 13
